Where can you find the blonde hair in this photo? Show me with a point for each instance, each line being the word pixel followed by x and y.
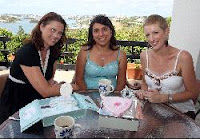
pixel 156 19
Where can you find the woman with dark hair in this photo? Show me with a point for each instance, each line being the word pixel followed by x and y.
pixel 168 72
pixel 100 58
pixel 33 69
pixel 104 21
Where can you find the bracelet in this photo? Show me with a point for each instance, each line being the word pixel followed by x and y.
pixel 66 89
pixel 170 99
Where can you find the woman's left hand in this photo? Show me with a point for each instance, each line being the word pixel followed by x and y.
pixel 153 96
pixel 52 82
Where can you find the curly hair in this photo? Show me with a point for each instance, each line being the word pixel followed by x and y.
pixel 36 34
pixel 101 19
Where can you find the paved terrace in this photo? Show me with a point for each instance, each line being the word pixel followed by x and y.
pixel 60 75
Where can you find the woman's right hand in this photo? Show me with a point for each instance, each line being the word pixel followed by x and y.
pixel 140 94
pixel 75 87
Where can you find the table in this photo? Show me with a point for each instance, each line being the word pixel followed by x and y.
pixel 159 121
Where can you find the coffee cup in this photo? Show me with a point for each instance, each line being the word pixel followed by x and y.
pixel 105 87
pixel 65 127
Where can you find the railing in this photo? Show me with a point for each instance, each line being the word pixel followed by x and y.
pixel 131 55
pixel 4 51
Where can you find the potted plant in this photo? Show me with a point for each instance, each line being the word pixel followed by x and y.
pixel 134 70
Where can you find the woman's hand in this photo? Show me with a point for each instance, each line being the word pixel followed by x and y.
pixel 51 82
pixel 75 87
pixel 140 94
pixel 154 96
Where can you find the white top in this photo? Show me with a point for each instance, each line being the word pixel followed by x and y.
pixel 169 83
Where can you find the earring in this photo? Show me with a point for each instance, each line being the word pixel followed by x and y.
pixel 166 41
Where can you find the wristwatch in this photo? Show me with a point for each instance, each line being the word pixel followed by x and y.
pixel 170 99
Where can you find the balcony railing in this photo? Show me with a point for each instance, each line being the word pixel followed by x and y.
pixel 4 51
pixel 132 54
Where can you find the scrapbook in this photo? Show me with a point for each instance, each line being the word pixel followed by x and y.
pixel 47 110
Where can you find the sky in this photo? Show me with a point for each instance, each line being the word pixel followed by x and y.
pixel 88 7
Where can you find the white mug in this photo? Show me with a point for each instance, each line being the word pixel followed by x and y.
pixel 65 126
pixel 105 86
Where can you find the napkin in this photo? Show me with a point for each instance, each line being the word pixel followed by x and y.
pixel 66 90
pixel 116 105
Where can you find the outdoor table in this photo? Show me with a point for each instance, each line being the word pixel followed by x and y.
pixel 159 121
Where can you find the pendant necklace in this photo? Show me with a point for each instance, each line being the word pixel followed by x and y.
pixel 102 58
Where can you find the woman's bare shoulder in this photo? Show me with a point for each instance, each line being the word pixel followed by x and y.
pixel 84 48
pixel 185 59
pixel 83 52
pixel 185 55
pixel 123 53
pixel 143 54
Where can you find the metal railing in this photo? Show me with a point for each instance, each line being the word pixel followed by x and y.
pixel 4 51
pixel 131 55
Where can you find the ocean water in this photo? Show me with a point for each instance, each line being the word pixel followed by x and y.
pixel 27 26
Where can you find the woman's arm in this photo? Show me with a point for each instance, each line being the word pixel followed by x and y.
pixel 189 78
pixel 121 76
pixel 143 63
pixel 187 72
pixel 80 68
pixel 37 80
pixel 141 93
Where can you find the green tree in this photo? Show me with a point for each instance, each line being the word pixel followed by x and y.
pixel 129 32
pixel 81 36
pixel 6 33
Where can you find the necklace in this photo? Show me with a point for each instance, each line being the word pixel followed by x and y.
pixel 102 57
pixel 44 65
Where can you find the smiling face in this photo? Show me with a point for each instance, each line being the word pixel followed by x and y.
pixel 101 34
pixel 156 36
pixel 51 33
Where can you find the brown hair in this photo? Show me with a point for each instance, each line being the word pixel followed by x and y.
pixel 36 34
